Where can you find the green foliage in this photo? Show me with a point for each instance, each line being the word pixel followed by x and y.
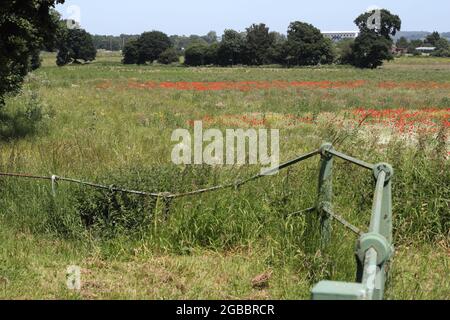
pixel 112 43
pixel 147 48
pixel 390 23
pixel 258 45
pixel 35 60
pixel 169 56
pixel 150 45
pixel 413 45
pixel 306 45
pixel 344 51
pixel 212 54
pixel 402 43
pixel 25 27
pixel 23 120
pixel 231 48
pixel 130 52
pixel 442 48
pixel 75 44
pixel 433 39
pixel 370 49
pixel 195 55
pixel 373 45
pixel 180 43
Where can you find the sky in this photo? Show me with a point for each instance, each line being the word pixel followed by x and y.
pixel 113 17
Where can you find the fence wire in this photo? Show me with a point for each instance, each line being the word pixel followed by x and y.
pixel 171 195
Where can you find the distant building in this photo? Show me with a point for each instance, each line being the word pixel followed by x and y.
pixel 399 51
pixel 340 35
pixel 426 49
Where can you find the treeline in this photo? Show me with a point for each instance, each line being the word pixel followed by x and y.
pixel 435 40
pixel 180 43
pixel 304 45
pixel 112 43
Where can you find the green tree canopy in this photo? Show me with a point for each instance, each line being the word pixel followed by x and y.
pixel 195 54
pixel 169 56
pixel 442 48
pixel 344 51
pixel 231 48
pixel 211 54
pixel 433 38
pixel 306 45
pixel 151 45
pixel 75 44
pixel 258 45
pixel 389 23
pixel 402 43
pixel 370 49
pixel 130 52
pixel 25 27
pixel 373 44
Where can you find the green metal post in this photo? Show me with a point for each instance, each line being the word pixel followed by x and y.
pixel 325 193
pixel 383 224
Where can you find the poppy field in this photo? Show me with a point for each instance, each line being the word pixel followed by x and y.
pixel 112 123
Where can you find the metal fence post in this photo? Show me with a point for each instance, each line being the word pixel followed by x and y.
pixel 375 248
pixel 325 190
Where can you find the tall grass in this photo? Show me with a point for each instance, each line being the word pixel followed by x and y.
pixel 121 137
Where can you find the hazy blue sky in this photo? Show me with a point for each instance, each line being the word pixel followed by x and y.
pixel 200 16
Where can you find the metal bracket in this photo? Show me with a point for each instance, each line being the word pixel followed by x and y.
pixel 387 168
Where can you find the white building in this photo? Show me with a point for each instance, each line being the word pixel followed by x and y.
pixel 426 49
pixel 340 35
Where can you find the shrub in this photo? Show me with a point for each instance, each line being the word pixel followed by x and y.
pixel 109 213
pixel 22 121
pixel 169 56
pixel 305 45
pixel 130 52
pixel 195 55
pixel 151 45
pixel 75 44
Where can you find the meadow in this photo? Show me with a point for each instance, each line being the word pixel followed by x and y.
pixel 111 123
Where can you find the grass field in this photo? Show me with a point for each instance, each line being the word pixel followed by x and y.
pixel 111 123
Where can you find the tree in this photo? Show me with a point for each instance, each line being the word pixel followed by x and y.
pixel 389 23
pixel 211 54
pixel 432 39
pixel 413 44
pixel 75 44
pixel 35 59
pixel 374 42
pixel 130 52
pixel 442 48
pixel 195 55
pixel 210 37
pixel 344 51
pixel 25 27
pixel 231 48
pixel 258 45
pixel 151 45
pixel 369 50
pixel 276 52
pixel 306 45
pixel 169 56
pixel 402 43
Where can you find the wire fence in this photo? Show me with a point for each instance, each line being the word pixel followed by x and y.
pixel 376 245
